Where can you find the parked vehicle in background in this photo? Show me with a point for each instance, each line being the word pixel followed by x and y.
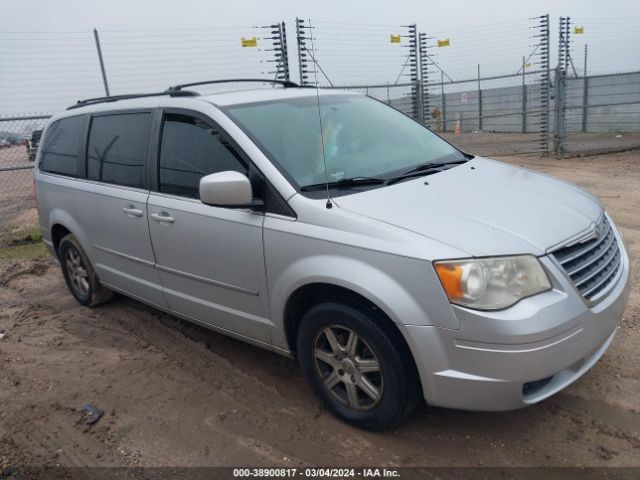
pixel 32 144
pixel 5 144
pixel 329 226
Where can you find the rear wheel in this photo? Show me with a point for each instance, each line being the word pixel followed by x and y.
pixel 79 274
pixel 357 366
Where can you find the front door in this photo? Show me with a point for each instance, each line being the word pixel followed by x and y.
pixel 210 259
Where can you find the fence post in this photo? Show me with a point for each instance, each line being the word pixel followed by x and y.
pixel 414 71
pixel 585 102
pixel 104 73
pixel 524 96
pixel 424 78
pixel 443 104
pixel 479 102
pixel 419 105
pixel 560 106
pixel 302 54
pixel 544 82
pixel 585 92
pixel 285 52
pixel 584 71
pixel 561 85
pixel 278 37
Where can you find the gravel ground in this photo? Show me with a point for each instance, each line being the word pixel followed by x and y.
pixel 176 394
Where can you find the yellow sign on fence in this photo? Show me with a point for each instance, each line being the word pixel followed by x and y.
pixel 443 43
pixel 249 42
pixel 395 38
pixel 578 30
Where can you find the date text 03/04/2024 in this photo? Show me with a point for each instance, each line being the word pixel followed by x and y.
pixel 316 472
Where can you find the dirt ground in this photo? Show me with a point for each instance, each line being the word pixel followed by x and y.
pixel 174 394
pixel 488 143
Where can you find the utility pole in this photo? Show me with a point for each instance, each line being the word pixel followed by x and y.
pixel 104 73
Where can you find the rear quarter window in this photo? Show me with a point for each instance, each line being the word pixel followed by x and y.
pixel 59 151
pixel 117 148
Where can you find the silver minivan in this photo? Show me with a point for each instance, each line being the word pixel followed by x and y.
pixel 329 226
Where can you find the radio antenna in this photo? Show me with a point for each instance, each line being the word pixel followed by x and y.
pixel 324 156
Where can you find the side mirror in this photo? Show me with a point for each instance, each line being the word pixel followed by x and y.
pixel 226 189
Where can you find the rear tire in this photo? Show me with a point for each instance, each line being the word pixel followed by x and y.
pixel 357 365
pixel 79 274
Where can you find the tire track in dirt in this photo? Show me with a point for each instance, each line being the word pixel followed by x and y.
pixel 245 403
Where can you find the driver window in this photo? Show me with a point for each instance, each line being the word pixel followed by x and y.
pixel 191 149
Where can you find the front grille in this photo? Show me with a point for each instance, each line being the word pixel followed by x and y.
pixel 592 264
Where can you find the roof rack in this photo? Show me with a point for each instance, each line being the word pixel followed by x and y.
pixel 115 98
pixel 177 91
pixel 284 83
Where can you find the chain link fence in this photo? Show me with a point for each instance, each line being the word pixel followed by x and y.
pixel 490 115
pixel 602 113
pixel 19 136
pixel 400 96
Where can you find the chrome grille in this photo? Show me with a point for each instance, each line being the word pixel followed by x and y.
pixel 592 264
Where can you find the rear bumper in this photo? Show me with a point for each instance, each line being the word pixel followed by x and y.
pixel 513 358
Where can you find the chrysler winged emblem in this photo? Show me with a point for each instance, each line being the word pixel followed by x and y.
pixel 597 230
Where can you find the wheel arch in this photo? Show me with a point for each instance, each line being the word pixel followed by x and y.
pixel 61 224
pixel 311 294
pixel 58 232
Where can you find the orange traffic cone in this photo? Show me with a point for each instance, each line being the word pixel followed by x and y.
pixel 458 130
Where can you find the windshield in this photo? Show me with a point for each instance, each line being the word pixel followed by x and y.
pixel 361 137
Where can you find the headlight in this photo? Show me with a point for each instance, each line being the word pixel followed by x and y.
pixel 491 283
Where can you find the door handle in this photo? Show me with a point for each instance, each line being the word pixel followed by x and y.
pixel 162 217
pixel 132 211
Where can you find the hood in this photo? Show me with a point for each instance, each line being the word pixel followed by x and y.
pixel 482 207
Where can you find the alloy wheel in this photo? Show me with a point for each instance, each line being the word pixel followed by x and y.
pixel 78 275
pixel 348 367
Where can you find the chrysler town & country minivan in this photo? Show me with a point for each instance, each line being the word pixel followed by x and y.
pixel 331 227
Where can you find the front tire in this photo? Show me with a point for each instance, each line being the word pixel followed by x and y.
pixel 357 365
pixel 79 274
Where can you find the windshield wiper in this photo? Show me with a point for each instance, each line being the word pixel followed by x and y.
pixel 344 182
pixel 424 169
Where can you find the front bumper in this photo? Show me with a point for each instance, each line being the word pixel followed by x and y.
pixel 516 357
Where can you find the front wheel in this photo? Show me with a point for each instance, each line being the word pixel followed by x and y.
pixel 357 365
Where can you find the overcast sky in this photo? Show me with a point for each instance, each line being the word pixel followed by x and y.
pixel 48 60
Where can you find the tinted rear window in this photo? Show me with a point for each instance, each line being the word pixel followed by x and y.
pixel 60 148
pixel 117 149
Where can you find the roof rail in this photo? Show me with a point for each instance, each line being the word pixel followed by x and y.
pixel 115 98
pixel 284 83
pixel 177 91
